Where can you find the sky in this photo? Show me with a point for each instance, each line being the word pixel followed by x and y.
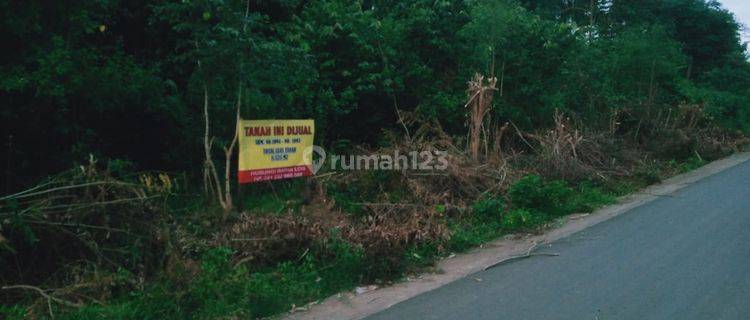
pixel 741 10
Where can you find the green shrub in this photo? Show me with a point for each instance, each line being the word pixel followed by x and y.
pixel 219 289
pixel 274 197
pixel 342 265
pixel 689 164
pixel 223 290
pixel 555 198
pixel 367 186
pixel 622 187
pixel 533 193
pixel 482 226
pixel 14 312
pixel 471 234
pixel 520 219
pixel 491 208
pixel 421 256
pixel 649 173
pixel 590 197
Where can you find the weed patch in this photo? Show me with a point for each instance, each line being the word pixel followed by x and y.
pixel 225 290
pixel 489 209
pixel 535 194
pixel 522 219
pixel 469 235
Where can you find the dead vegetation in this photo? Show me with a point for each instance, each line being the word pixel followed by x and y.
pixel 407 207
pixel 685 131
pixel 384 233
pixel 464 179
pixel 85 225
pixel 560 151
pixel 480 94
pixel 410 207
pixel 77 230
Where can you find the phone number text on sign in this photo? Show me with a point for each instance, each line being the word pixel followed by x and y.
pixel 272 149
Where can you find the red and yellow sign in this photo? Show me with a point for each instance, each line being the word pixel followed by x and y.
pixel 274 149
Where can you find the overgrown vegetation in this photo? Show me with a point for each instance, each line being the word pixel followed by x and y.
pixel 543 108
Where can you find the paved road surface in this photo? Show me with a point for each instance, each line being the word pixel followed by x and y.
pixel 684 256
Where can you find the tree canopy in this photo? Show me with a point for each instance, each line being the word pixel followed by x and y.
pixel 126 79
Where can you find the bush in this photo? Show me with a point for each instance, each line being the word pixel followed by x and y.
pixel 472 234
pixel 224 290
pixel 490 208
pixel 85 225
pixel 690 164
pixel 648 173
pixel 484 225
pixel 15 312
pixel 533 193
pixel 326 269
pixel 589 197
pixel 520 219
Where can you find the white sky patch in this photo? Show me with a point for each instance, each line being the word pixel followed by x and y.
pixel 741 10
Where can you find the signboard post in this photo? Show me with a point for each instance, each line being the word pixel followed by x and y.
pixel 273 149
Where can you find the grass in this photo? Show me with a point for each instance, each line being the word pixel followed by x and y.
pixel 273 197
pixel 223 290
pixel 470 234
pixel 688 165
pixel 533 203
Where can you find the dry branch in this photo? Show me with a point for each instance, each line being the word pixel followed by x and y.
pixel 49 297
pixel 528 254
pixel 480 94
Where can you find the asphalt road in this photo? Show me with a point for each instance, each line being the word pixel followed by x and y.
pixel 682 256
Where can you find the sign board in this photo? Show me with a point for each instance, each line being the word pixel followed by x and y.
pixel 274 149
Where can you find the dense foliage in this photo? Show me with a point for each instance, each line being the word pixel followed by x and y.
pixel 598 97
pixel 125 79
